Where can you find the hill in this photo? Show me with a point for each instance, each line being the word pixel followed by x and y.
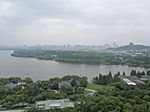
pixel 131 47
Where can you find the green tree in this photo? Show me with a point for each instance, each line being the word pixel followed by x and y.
pixel 124 74
pixel 148 73
pixel 2 92
pixel 127 108
pixel 28 80
pixel 67 89
pixel 133 73
pixel 83 81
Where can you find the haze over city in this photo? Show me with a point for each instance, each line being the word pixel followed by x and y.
pixel 74 56
pixel 90 22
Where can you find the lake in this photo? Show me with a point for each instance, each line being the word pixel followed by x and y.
pixel 41 69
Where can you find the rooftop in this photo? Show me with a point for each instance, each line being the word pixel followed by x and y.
pixel 49 104
pixel 13 111
pixel 129 82
pixel 10 86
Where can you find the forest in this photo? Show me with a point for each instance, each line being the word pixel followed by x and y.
pixel 85 57
pixel 112 94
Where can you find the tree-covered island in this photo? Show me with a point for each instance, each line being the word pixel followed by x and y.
pixel 84 57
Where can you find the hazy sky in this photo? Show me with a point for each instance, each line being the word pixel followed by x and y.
pixel 74 21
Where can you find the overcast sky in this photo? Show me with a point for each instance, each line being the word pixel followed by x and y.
pixel 74 22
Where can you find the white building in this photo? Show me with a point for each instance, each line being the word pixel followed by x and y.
pixel 128 82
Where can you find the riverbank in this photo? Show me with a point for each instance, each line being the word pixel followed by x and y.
pixel 45 69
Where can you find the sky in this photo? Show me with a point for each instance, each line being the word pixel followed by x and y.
pixel 89 22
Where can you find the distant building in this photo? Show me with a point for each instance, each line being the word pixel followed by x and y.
pixel 128 82
pixel 64 83
pixel 13 111
pixel 115 45
pixel 2 108
pixel 54 104
pixel 131 43
pixel 20 105
pixel 135 79
pixel 21 82
pixel 145 77
pixel 10 86
pixel 138 82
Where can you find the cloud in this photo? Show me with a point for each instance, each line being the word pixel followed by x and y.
pixel 74 21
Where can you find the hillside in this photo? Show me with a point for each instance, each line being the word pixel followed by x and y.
pixel 133 47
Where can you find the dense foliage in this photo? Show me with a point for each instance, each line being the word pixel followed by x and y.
pixel 106 79
pixel 40 90
pixel 117 97
pixel 85 57
pixel 112 95
pixel 139 74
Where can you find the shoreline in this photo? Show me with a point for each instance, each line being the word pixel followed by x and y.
pixel 71 62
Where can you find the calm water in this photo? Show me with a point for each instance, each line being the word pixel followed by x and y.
pixel 40 70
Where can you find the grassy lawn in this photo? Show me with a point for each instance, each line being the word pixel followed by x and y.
pixel 87 92
pixel 94 86
pixel 102 88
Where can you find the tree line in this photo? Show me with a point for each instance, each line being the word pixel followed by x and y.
pixel 85 57
pixel 140 74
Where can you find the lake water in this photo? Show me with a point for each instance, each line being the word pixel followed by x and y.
pixel 41 70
